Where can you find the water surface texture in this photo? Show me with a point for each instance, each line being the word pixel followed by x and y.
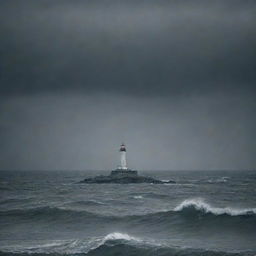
pixel 204 213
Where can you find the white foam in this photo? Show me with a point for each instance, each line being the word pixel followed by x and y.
pixel 219 180
pixel 138 197
pixel 76 245
pixel 200 204
pixel 120 236
pixel 130 239
pixel 45 246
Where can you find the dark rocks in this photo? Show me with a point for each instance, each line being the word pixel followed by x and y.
pixel 124 177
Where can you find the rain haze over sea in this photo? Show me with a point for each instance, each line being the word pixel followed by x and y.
pixel 172 79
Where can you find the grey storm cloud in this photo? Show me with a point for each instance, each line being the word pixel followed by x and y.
pixel 173 79
pixel 136 47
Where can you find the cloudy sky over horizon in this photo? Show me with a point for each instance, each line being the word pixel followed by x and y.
pixel 174 80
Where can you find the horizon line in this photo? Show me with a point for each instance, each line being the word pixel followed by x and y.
pixel 251 169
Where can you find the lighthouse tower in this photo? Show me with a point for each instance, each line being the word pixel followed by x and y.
pixel 122 151
pixel 122 171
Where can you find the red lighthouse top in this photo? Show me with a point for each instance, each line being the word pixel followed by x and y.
pixel 122 148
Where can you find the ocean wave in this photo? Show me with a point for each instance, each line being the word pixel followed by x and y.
pixel 120 236
pixel 200 205
pixel 189 214
pixel 78 246
pixel 196 205
pixel 15 200
pixel 86 203
pixel 49 213
pixel 112 244
pixel 124 249
pixel 218 180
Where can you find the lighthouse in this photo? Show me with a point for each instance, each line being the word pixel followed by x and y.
pixel 122 170
pixel 122 151
pixel 123 175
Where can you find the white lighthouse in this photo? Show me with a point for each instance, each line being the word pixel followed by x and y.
pixel 122 171
pixel 123 165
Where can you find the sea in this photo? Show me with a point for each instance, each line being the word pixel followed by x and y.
pixel 203 213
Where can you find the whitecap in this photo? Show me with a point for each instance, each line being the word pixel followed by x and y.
pixel 130 239
pixel 201 205
pixel 138 197
pixel 120 236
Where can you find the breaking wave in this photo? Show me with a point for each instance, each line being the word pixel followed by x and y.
pixel 111 244
pixel 192 216
pixel 189 207
pixel 201 206
pixel 188 217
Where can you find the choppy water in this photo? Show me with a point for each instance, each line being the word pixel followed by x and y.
pixel 205 213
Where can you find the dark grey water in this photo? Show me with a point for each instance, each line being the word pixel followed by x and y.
pixel 205 213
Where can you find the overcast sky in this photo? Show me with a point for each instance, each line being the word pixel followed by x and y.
pixel 174 80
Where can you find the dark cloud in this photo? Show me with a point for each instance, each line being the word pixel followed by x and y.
pixel 136 47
